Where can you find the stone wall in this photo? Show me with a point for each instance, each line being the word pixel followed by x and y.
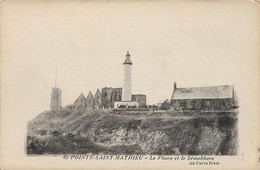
pixel 80 103
pixel 90 102
pixel 140 98
pixel 103 99
pixel 106 97
pixel 202 104
pixel 98 102
pixel 110 95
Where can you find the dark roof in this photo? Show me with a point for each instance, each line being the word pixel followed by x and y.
pixel 138 95
pixel 111 88
pixel 211 92
pixel 118 88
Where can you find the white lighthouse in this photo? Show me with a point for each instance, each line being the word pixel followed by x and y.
pixel 127 95
pixel 127 86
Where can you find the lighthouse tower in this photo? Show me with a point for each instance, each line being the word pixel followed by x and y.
pixel 127 86
pixel 127 95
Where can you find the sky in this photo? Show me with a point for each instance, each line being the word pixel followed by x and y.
pixel 193 44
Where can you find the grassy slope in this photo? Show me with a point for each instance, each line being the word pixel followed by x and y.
pixel 189 135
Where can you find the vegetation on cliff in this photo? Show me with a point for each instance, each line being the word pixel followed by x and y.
pixel 121 132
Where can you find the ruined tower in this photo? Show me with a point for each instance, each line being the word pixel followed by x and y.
pixel 127 78
pixel 55 97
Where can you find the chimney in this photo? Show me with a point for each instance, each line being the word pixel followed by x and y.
pixel 175 86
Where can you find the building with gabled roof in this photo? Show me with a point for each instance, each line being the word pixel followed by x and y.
pixel 80 102
pixel 204 98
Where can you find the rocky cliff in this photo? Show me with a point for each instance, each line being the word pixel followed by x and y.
pixel 110 132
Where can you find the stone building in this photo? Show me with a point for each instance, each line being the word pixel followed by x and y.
pixel 80 103
pixel 116 95
pixel 55 99
pixel 98 102
pixel 55 104
pixel 105 99
pixel 110 95
pixel 140 98
pixel 90 101
pixel 204 98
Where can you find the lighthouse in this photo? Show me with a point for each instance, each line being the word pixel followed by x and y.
pixel 127 95
pixel 127 86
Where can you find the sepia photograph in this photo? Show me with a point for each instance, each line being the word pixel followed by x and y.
pixel 194 121
pixel 112 84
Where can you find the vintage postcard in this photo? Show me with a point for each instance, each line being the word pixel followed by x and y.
pixel 112 84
